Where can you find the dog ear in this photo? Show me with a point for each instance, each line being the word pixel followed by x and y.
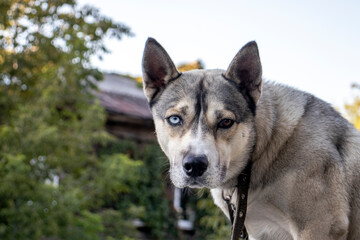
pixel 158 69
pixel 245 70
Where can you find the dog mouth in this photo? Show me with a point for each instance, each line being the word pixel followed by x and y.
pixel 191 182
pixel 200 182
pixel 194 183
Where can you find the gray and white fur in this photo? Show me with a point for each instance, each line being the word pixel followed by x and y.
pixel 305 181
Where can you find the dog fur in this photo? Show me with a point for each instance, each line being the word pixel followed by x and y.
pixel 305 181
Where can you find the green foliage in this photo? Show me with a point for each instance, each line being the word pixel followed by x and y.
pixel 116 227
pixel 145 199
pixel 210 221
pixel 152 195
pixel 115 178
pixel 109 188
pixel 50 121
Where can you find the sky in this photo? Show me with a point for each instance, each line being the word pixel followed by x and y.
pixel 310 45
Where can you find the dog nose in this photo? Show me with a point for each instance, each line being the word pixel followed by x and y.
pixel 195 166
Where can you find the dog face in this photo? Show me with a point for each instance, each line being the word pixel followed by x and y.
pixel 204 119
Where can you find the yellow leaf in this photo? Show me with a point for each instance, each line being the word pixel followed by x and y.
pixel 353 112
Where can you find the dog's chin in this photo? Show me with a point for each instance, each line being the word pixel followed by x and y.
pixel 189 183
pixel 197 184
pixel 194 183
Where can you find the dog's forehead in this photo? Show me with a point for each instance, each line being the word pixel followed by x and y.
pixel 200 88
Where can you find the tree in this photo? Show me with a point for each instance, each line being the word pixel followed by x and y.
pixel 198 64
pixel 49 118
pixel 353 109
pixel 144 194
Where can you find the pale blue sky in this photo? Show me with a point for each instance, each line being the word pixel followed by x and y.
pixel 311 45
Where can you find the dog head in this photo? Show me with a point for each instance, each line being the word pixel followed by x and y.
pixel 204 119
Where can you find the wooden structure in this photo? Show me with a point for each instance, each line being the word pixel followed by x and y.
pixel 128 113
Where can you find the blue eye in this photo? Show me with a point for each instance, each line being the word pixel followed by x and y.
pixel 174 120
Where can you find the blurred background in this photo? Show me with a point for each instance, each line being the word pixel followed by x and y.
pixel 78 154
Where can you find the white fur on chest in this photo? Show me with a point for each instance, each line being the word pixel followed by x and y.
pixel 263 220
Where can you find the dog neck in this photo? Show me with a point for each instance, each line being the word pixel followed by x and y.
pixel 273 127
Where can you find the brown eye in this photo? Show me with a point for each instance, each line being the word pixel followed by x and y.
pixel 225 123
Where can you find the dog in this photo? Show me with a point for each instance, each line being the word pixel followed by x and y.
pixel 305 168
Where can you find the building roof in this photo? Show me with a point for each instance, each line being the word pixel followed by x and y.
pixel 120 95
